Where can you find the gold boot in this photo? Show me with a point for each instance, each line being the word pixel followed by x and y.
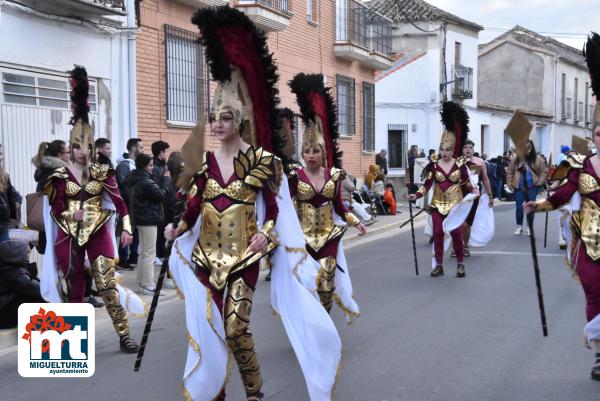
pixel 326 281
pixel 103 270
pixel 238 305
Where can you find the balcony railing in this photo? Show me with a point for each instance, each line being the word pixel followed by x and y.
pixel 352 23
pixel 268 15
pixel 463 82
pixel 111 3
pixel 380 34
pixel 82 8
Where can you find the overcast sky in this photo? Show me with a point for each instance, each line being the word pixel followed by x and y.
pixel 571 20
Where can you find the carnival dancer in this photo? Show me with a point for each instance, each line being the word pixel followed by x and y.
pixel 482 220
pixel 82 198
pixel 449 176
pixel 238 211
pixel 580 174
pixel 317 191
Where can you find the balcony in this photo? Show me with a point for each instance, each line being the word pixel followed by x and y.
pixel 351 42
pixel 268 15
pixel 93 8
pixel 462 78
pixel 204 3
pixel 380 42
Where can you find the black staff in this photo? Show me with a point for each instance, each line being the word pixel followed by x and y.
pixel 412 230
pixel 546 230
pixel 536 268
pixel 412 218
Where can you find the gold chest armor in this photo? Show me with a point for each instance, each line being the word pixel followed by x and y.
pixel 586 221
pixel 443 201
pixel 94 217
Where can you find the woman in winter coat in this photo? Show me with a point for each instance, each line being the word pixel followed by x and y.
pixel 146 198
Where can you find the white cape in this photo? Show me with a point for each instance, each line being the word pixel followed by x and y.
pixel 592 329
pixel 455 218
pixel 311 331
pixel 482 230
pixel 50 282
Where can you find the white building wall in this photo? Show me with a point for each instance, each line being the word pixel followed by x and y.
pixel 52 48
pixel 469 55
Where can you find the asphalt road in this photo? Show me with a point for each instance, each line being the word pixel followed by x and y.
pixel 418 338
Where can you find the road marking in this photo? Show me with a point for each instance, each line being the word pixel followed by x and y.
pixel 514 253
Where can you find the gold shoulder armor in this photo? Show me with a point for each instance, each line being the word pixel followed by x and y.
pixel 99 172
pixel 574 161
pixel 461 161
pixel 58 174
pixel 254 167
pixel 336 174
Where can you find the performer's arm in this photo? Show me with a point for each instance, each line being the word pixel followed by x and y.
pixel 426 185
pixel 562 195
pixel 293 183
pixel 465 182
pixel 341 209
pixel 193 204
pixel 486 180
pixel 58 200
pixel 112 189
pixel 271 211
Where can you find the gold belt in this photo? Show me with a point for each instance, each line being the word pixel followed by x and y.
pixel 443 201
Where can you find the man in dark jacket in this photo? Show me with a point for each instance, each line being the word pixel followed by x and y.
pixel 381 161
pixel 128 256
pixel 146 209
pixel 160 151
pixel 18 282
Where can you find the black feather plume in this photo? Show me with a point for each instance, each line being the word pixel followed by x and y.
pixel 302 85
pixel 591 52
pixel 80 90
pixel 456 120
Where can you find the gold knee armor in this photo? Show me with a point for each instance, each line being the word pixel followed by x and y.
pixel 103 270
pixel 326 282
pixel 238 305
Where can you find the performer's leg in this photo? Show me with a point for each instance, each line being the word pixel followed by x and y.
pixel 238 305
pixel 589 274
pixel 71 266
pixel 437 221
pixel 519 199
pixel 457 238
pixel 101 253
pixel 326 281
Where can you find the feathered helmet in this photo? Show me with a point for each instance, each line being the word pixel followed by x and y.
pixel 456 128
pixel 82 133
pixel 319 116
pixel 591 52
pixel 240 61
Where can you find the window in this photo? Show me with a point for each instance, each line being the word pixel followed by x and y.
pixel 580 110
pixel 591 115
pixel 187 80
pixel 577 116
pixel 563 95
pixel 587 102
pixel 397 145
pixel 41 90
pixel 569 108
pixel 457 51
pixel 311 10
pixel 345 104
pixel 368 112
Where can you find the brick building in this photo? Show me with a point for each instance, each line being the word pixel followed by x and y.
pixel 343 40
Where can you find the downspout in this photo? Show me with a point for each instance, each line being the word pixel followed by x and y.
pixel 553 131
pixel 131 68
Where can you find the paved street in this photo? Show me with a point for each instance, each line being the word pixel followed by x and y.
pixel 418 339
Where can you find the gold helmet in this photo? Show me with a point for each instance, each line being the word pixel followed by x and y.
pixel 82 133
pixel 319 115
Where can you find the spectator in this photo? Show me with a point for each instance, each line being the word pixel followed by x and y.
pixel 10 196
pixel 492 174
pixel 564 152
pixel 378 184
pixel 160 150
pixel 359 209
pixel 128 255
pixel 432 155
pixel 500 177
pixel 381 161
pixel 413 154
pixel 18 278
pixel 146 198
pixel 50 156
pixel 526 176
pixel 104 151
pixel 371 175
pixel 390 199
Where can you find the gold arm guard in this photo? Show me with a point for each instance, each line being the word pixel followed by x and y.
pixel 543 205
pixel 126 223
pixel 267 227
pixel 351 219
pixel 182 226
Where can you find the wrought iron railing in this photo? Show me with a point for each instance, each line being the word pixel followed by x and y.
pixel 380 34
pixel 111 3
pixel 279 5
pixel 462 82
pixel 352 23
